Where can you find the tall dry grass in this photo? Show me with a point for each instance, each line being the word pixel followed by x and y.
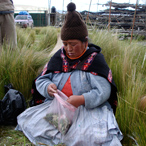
pixel 128 65
pixel 21 65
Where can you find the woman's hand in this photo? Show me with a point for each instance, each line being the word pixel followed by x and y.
pixel 52 88
pixel 76 100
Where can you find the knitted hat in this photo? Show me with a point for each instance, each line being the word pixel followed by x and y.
pixel 74 26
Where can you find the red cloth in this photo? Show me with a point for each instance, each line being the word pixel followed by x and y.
pixel 67 90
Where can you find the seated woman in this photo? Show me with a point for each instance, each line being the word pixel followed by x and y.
pixel 79 70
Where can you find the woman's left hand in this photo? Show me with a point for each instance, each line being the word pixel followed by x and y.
pixel 76 100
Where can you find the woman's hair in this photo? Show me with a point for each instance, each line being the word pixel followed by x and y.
pixel 83 40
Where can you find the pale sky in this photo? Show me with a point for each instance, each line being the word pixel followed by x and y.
pixel 80 4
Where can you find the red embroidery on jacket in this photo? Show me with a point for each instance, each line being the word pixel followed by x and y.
pixel 45 69
pixel 94 73
pixel 57 72
pixel 65 64
pixel 88 62
pixel 110 76
pixel 75 65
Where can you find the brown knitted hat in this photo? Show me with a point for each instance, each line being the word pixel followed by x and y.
pixel 74 26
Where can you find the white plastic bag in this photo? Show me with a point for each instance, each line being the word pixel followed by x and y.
pixel 60 112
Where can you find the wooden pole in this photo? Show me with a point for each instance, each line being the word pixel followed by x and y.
pixel 49 9
pixel 133 21
pixel 109 21
pixel 62 11
pixel 63 6
pixel 88 12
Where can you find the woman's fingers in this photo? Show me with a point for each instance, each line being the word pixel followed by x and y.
pixel 52 88
pixel 76 100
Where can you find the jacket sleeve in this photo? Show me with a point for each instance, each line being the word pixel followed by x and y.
pixel 99 93
pixel 42 83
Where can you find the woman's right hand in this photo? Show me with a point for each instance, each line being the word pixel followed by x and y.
pixel 52 88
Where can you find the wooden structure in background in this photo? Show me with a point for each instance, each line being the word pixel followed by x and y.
pixel 121 17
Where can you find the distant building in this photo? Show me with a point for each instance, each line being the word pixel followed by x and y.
pixel 30 9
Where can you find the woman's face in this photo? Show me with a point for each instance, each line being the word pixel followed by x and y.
pixel 74 48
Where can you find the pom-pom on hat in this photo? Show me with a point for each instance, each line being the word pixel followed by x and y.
pixel 74 26
pixel 71 7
